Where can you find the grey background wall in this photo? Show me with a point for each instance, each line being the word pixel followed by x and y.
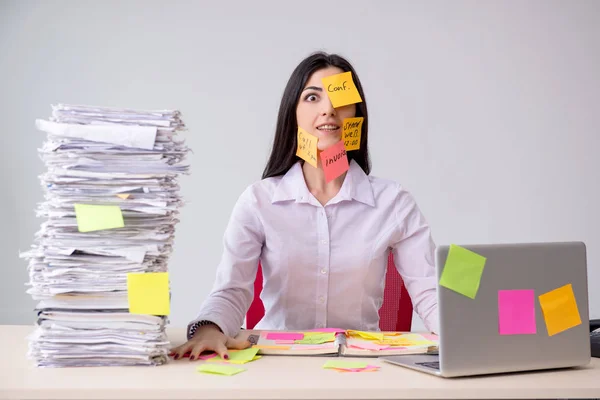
pixel 487 111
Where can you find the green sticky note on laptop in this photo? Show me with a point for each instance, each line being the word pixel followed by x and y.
pixel 462 271
pixel 219 369
pixel 94 217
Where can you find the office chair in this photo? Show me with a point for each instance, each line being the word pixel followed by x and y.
pixel 395 314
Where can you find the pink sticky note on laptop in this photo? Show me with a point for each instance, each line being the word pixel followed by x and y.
pixel 285 336
pixel 334 161
pixel 516 312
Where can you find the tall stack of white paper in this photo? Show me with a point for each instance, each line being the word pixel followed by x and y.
pixel 98 156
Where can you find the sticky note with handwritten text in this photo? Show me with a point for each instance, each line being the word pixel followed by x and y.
pixel 334 161
pixel 351 132
pixel 341 89
pixel 307 147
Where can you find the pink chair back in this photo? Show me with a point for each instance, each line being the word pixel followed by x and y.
pixel 395 314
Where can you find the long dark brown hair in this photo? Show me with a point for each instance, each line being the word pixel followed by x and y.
pixel 283 155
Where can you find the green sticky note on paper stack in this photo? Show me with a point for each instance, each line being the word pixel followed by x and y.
pixel 462 271
pixel 220 369
pixel 92 217
pixel 319 338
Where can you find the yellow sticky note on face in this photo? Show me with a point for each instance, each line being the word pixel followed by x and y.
pixel 219 369
pixel 341 89
pixel 96 217
pixel 352 129
pixel 307 147
pixel 148 293
pixel 560 309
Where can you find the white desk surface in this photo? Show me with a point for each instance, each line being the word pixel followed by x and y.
pixel 269 378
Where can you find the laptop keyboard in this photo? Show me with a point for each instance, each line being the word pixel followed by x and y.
pixel 430 364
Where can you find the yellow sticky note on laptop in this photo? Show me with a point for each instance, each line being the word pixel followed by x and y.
pixel 462 271
pixel 560 309
pixel 148 293
pixel 341 89
pixel 93 217
pixel 307 147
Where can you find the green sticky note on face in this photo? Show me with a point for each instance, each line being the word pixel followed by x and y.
pixel 462 271
pixel 96 218
pixel 220 369
pixel 345 364
pixel 148 293
pixel 239 355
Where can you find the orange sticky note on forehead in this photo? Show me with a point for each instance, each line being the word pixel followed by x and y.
pixel 307 147
pixel 341 89
pixel 334 161
pixel 352 128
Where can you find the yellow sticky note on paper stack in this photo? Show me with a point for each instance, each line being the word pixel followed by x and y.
pixel 365 335
pixel 307 147
pixel 92 217
pixel 148 293
pixel 341 89
pixel 560 309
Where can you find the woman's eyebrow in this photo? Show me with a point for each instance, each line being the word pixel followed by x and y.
pixel 313 88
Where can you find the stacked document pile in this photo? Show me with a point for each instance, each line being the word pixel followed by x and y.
pixel 99 263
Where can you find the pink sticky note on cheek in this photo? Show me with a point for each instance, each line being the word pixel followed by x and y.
pixel 516 312
pixel 334 161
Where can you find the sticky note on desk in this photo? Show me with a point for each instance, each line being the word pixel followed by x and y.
pixel 219 369
pixel 307 147
pixel 238 356
pixel 516 312
pixel 560 309
pixel 341 90
pixel 334 161
pixel 345 364
pixel 462 271
pixel 93 217
pixel 148 293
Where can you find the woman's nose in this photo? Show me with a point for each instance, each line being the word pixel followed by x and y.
pixel 328 108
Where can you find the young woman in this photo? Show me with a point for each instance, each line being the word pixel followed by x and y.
pixel 323 245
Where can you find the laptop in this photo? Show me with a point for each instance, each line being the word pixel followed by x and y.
pixel 469 331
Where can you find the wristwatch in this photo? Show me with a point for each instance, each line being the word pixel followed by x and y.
pixel 194 327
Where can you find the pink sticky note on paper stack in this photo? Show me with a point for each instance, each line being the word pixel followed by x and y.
pixel 516 312
pixel 334 161
pixel 285 336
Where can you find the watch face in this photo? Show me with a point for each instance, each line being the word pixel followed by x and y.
pixel 253 339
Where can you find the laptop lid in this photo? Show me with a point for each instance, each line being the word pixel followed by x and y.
pixel 494 332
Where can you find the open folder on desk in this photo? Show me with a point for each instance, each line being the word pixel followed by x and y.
pixel 341 342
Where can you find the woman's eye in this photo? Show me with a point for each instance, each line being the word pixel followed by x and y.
pixel 311 97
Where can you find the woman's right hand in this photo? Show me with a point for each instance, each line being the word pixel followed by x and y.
pixel 208 338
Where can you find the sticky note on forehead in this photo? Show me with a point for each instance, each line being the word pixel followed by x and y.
pixel 341 89
pixel 307 147
pixel 352 130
